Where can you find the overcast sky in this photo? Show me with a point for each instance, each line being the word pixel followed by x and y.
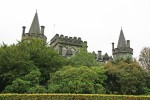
pixel 96 21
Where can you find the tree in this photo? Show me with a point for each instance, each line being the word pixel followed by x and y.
pixel 145 58
pixel 125 78
pixel 78 80
pixel 27 84
pixel 44 57
pixel 20 59
pixel 18 86
pixel 147 87
pixel 83 58
pixel 13 63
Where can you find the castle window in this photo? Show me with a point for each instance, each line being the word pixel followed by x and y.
pixel 64 51
pixel 73 51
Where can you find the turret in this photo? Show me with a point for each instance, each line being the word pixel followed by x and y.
pixel 123 49
pixel 34 31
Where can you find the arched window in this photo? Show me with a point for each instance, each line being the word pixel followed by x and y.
pixel 73 51
pixel 64 51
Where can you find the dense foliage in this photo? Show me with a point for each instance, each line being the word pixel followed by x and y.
pixel 34 67
pixel 26 60
pixel 125 78
pixel 83 58
pixel 78 80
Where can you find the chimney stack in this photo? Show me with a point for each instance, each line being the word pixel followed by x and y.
pixel 128 43
pixel 99 57
pixel 113 46
pixel 42 29
pixel 23 29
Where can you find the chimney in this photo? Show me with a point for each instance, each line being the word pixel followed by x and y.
pixel 23 29
pixel 42 29
pixel 128 43
pixel 113 46
pixel 99 56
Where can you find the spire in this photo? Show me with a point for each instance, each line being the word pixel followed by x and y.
pixel 121 41
pixel 35 27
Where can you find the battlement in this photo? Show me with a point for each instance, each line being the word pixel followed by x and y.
pixel 67 40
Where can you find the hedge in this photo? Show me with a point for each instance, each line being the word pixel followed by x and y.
pixel 70 97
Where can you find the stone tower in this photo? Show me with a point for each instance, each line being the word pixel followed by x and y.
pixel 35 31
pixel 123 49
pixel 67 46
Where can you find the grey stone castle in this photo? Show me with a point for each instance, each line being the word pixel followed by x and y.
pixel 68 46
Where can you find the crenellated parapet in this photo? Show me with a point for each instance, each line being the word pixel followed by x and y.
pixel 67 46
pixel 67 40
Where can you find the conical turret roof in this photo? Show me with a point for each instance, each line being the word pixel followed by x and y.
pixel 121 41
pixel 35 27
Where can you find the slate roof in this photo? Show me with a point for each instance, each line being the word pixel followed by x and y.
pixel 121 41
pixel 35 27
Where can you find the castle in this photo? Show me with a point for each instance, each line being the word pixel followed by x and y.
pixel 68 46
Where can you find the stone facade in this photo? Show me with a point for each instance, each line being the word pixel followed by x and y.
pixel 123 50
pixel 35 30
pixel 67 46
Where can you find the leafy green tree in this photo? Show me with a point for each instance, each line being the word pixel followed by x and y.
pixel 13 64
pixel 147 87
pixel 44 57
pixel 18 86
pixel 78 80
pixel 125 78
pixel 83 58
pixel 20 59
pixel 27 84
pixel 147 82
